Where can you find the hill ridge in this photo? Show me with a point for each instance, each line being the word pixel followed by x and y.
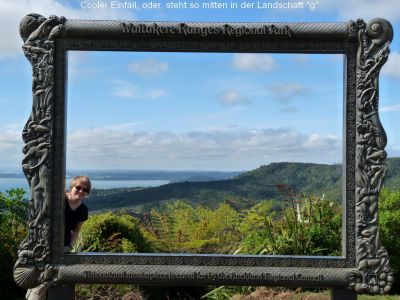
pixel 243 189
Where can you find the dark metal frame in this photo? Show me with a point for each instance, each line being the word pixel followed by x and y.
pixel 363 266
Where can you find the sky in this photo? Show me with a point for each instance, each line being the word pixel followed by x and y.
pixel 188 111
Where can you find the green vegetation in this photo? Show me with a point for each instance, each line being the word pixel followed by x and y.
pixel 180 227
pixel 13 227
pixel 389 224
pixel 253 213
pixel 308 226
pixel 109 232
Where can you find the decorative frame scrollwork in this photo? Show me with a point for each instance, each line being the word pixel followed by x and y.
pixel 372 258
pixel 38 34
pixel 364 265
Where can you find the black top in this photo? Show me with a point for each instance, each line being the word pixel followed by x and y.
pixel 72 218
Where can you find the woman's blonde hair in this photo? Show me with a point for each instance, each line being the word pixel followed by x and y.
pixel 81 180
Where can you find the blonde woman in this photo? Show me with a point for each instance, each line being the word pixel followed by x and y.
pixel 76 213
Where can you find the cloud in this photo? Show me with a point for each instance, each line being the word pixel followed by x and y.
pixel 253 62
pixel 11 13
pixel 10 146
pixel 126 127
pixel 126 89
pixel 233 98
pixel 148 67
pixel 238 149
pixel 156 93
pixel 392 66
pixel 363 9
pixel 389 108
pixel 287 92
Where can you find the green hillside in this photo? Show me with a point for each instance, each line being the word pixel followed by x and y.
pixel 241 191
pixel 301 177
pixel 392 181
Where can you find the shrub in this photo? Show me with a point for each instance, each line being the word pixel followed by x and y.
pixel 179 227
pixel 389 222
pixel 109 232
pixel 13 228
pixel 309 226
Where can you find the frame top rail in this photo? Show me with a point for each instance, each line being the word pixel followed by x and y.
pixel 334 32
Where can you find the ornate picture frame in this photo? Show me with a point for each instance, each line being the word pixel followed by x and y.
pixel 364 264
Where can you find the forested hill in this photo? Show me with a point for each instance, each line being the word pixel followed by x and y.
pixel 392 180
pixel 242 190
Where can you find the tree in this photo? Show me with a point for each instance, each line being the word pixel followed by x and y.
pixel 13 228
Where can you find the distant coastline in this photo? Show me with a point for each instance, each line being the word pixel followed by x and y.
pixel 7 183
pixel 123 179
pixel 139 174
